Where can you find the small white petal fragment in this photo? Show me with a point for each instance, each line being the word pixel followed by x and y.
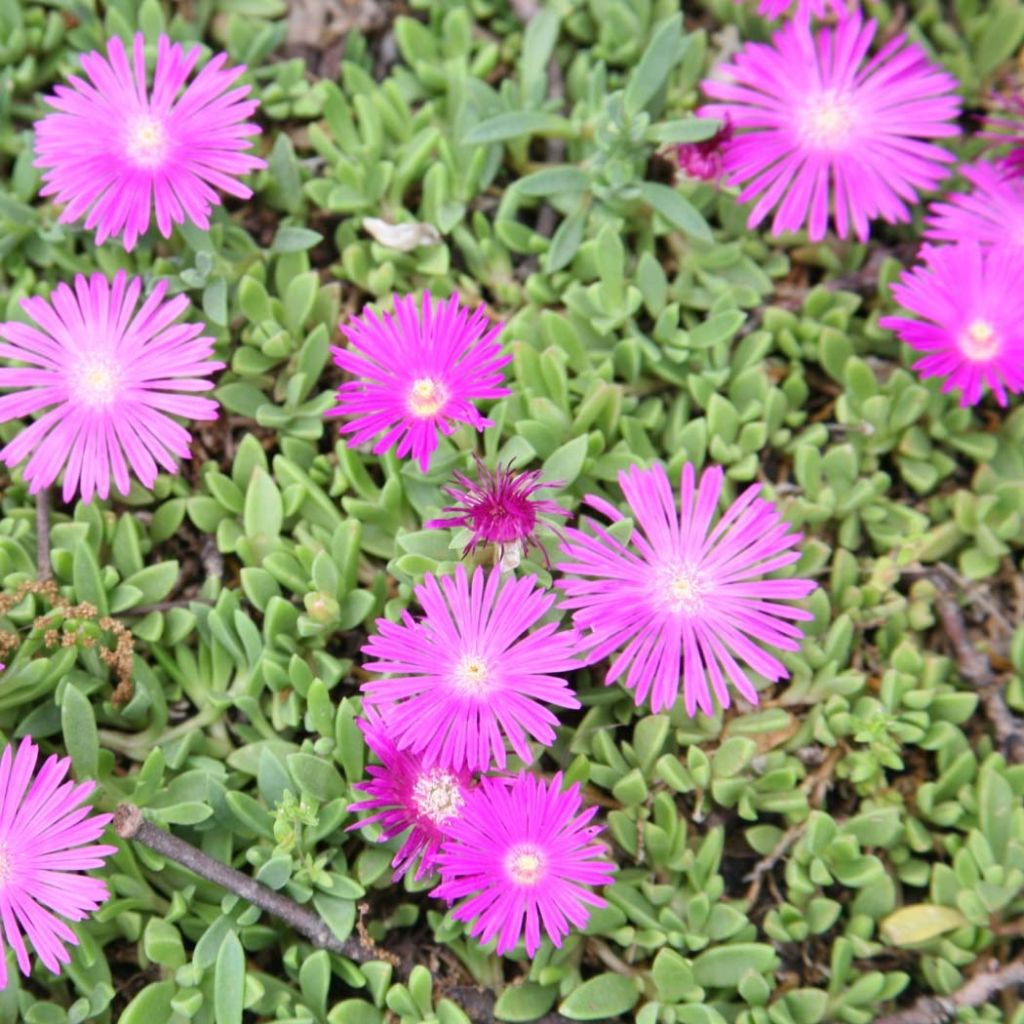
pixel 402 237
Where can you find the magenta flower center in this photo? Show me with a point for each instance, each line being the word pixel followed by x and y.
pixel 146 141
pixel 827 120
pixel 980 342
pixel 427 397
pixel 526 864
pixel 437 795
pixel 682 588
pixel 472 677
pixel 96 381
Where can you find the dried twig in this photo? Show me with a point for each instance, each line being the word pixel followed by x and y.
pixel 979 991
pixel 44 570
pixel 976 668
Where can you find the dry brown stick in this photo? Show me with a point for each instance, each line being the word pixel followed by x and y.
pixel 976 992
pixel 976 668
pixel 43 568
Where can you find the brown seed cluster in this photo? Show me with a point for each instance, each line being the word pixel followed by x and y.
pixel 65 626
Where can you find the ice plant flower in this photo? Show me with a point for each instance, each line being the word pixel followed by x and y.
pixel 703 160
pixel 992 213
pixel 117 151
pixel 46 839
pixel 968 318
pixel 107 375
pixel 407 796
pixel 821 129
pixel 1005 130
pixel 499 508
pixel 473 671
pixel 682 590
pixel 522 857
pixel 417 372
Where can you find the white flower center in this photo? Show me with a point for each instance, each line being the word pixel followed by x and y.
pixel 472 676
pixel 980 341
pixel 96 382
pixel 427 397
pixel 827 120
pixel 526 865
pixel 145 143
pixel 683 588
pixel 437 795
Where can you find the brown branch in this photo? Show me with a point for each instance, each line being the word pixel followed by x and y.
pixel 975 668
pixel 979 991
pixel 43 567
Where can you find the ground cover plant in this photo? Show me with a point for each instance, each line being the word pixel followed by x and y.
pixel 511 511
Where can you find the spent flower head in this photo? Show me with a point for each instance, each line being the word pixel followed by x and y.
pixel 523 858
pixel 822 130
pixel 968 318
pixel 107 375
pixel 117 150
pixel 499 507
pixel 685 599
pixel 1004 131
pixel 46 841
pixel 474 671
pixel 416 373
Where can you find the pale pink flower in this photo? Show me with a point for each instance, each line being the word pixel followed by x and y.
pixel 46 839
pixel 968 306
pixel 417 373
pixel 405 795
pixel 473 671
pixel 992 213
pixel 684 600
pixel 822 130
pixel 115 150
pixel 107 378
pixel 523 857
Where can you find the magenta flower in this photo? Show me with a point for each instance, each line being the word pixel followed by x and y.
pixel 1005 131
pixel 804 8
pixel 991 213
pixel 703 160
pixel 525 856
pixel 968 304
pixel 820 129
pixel 113 148
pixel 45 840
pixel 682 590
pixel 417 374
pixel 499 508
pixel 405 795
pixel 109 378
pixel 469 673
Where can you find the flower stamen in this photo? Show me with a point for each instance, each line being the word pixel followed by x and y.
pixel 827 120
pixel 980 341
pixel 146 141
pixel 472 677
pixel 427 397
pixel 96 382
pixel 437 795
pixel 526 865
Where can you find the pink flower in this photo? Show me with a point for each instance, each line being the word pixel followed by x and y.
pixel 469 674
pixel 804 8
pixel 1005 130
pixel 969 307
pixel 682 590
pixel 407 796
pixel 417 374
pixel 703 160
pixel 499 508
pixel 45 840
pixel 114 148
pixel 991 213
pixel 524 855
pixel 109 377
pixel 821 129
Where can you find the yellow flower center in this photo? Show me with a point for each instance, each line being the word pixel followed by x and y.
pixel 526 865
pixel 980 341
pixel 472 676
pixel 146 141
pixel 827 120
pixel 97 381
pixel 427 397
pixel 437 796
